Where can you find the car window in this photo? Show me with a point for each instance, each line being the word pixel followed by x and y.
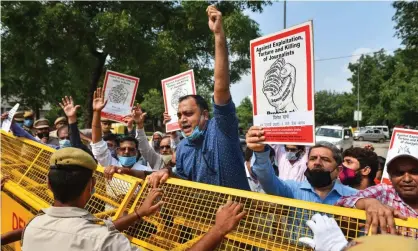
pixel 328 132
pixel 347 133
pixel 369 131
pixel 385 129
pixel 377 131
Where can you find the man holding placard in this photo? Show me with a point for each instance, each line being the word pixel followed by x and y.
pixel 210 152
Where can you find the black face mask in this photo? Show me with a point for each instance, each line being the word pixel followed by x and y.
pixel 43 135
pixel 318 178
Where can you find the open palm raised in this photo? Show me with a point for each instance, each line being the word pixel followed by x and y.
pixel 99 101
pixel 68 106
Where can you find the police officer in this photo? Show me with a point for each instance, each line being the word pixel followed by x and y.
pixel 67 225
pixel 28 122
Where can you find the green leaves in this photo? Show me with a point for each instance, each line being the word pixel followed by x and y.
pixel 153 103
pixel 52 49
pixel 407 22
pixel 245 113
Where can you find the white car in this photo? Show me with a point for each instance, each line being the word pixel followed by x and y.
pixel 341 137
pixel 384 129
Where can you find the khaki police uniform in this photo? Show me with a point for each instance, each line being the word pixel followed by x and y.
pixel 72 228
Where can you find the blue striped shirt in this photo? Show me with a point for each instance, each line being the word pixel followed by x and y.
pixel 216 157
pixel 301 190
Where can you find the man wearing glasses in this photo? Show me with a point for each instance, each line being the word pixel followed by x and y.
pixel 127 154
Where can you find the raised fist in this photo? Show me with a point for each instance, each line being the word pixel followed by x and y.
pixel 279 84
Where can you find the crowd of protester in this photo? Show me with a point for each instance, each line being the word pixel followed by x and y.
pixel 206 150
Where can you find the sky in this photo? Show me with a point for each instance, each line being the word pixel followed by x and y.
pixel 340 29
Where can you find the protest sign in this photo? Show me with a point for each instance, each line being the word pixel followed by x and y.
pixel 404 142
pixel 174 88
pixel 120 92
pixel 283 85
pixel 8 121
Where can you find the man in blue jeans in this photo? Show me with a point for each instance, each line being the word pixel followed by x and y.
pixel 210 152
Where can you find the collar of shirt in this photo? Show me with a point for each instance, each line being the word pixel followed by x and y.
pixel 338 187
pixel 397 198
pixel 67 212
pixel 252 178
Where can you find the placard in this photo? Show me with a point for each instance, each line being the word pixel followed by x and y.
pixel 283 85
pixel 174 88
pixel 403 141
pixel 7 123
pixel 120 92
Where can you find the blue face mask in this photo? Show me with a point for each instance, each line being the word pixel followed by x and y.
pixel 28 122
pixel 291 156
pixel 65 143
pixel 127 161
pixel 195 134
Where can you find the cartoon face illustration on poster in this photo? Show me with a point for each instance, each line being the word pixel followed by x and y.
pixel 118 94
pixel 175 97
pixel 279 85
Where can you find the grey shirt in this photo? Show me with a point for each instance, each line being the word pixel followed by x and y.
pixel 154 159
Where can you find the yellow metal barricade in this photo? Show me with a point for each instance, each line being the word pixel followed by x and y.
pixel 27 164
pixel 271 223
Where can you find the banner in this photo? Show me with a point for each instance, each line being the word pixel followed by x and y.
pixel 13 216
pixel 283 85
pixel 403 142
pixel 174 88
pixel 7 123
pixel 120 92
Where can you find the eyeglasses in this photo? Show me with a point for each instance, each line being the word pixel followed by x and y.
pixel 124 149
pixel 164 147
pixel 62 138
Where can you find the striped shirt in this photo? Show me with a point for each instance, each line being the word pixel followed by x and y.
pixel 301 190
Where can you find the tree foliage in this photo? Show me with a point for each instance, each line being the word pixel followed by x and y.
pixel 51 49
pixel 407 22
pixel 388 82
pixel 153 105
pixel 245 113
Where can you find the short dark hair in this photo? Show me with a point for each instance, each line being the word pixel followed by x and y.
pixel 129 138
pixel 366 158
pixel 110 137
pixel 336 153
pixel 68 181
pixel 200 101
pixel 248 154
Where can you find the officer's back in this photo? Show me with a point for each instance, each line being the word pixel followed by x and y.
pixel 67 225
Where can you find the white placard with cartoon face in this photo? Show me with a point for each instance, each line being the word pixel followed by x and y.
pixel 120 92
pixel 174 88
pixel 283 85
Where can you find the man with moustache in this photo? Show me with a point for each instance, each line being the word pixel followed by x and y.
pixel 211 151
pixel 323 167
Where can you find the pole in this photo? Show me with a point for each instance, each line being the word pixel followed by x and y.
pixel 284 15
pixel 358 96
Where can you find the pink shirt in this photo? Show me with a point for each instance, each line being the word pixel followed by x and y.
pixel 288 171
